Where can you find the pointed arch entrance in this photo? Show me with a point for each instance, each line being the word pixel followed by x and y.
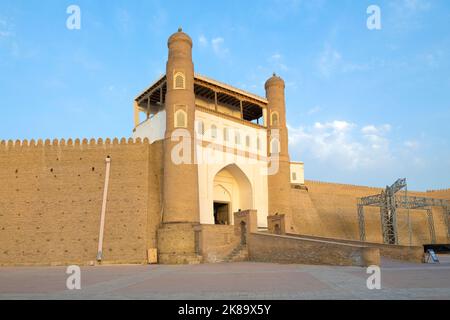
pixel 232 192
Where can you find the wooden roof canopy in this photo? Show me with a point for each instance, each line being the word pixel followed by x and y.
pixel 155 95
pixel 252 105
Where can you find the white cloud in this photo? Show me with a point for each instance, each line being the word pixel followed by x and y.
pixel 217 42
pixel 340 143
pixel 336 126
pixel 355 67
pixel 218 46
pixel 280 9
pixel 412 144
pixel 277 62
pixel 416 5
pixel 5 29
pixel 331 61
pixel 291 84
pixel 433 58
pixel 203 41
pixel 159 19
pixel 124 21
pixel 276 56
pixel 314 110
pixel 406 13
pixel 328 61
pixel 371 129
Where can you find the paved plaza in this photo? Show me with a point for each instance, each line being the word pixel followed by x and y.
pixel 240 281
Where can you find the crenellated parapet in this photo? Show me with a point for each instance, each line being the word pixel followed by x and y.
pixel 441 193
pixel 439 190
pixel 6 145
pixel 341 186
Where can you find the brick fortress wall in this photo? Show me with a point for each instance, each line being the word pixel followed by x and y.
pixel 330 210
pixel 51 197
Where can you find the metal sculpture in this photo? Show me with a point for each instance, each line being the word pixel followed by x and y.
pixel 389 201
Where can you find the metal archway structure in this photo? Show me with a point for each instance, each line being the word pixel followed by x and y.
pixel 389 201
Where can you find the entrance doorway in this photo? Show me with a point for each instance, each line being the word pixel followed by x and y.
pixel 277 229
pixel 221 213
pixel 232 191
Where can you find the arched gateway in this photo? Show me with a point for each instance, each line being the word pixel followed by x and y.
pixel 232 192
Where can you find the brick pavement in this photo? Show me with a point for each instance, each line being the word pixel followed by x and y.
pixel 229 281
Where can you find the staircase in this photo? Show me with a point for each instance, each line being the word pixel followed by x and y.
pixel 239 254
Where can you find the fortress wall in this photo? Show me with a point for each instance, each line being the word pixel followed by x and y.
pixel 51 197
pixel 330 210
pixel 336 207
pixel 440 194
pixel 217 242
pixel 306 218
pixel 297 250
pixel 154 191
pixel 407 253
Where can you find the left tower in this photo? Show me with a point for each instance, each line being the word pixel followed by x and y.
pixel 180 179
pixel 176 236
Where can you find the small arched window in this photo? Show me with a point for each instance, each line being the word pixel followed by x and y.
pixel 180 119
pixel 258 143
pixel 275 146
pixel 213 131
pixel 274 119
pixel 247 141
pixel 200 128
pixel 225 134
pixel 179 81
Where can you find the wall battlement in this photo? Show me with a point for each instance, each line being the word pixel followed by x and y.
pixel 350 187
pixel 443 193
pixel 15 144
pixel 341 186
pixel 439 190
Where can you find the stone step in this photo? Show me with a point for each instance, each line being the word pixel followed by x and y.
pixel 240 253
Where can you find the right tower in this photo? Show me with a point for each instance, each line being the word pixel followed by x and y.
pixel 279 179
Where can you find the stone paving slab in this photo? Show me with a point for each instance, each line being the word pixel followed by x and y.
pixel 237 281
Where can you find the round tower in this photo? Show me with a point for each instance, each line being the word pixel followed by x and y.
pixel 180 180
pixel 279 179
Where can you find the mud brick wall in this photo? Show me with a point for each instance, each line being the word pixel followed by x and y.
pixel 286 249
pixel 330 210
pixel 51 197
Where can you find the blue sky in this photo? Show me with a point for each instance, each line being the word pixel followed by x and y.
pixel 364 107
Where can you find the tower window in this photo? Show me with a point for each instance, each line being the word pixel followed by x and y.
pixel 179 81
pixel 274 119
pixel 180 119
pixel 258 143
pixel 294 176
pixel 247 141
pixel 237 138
